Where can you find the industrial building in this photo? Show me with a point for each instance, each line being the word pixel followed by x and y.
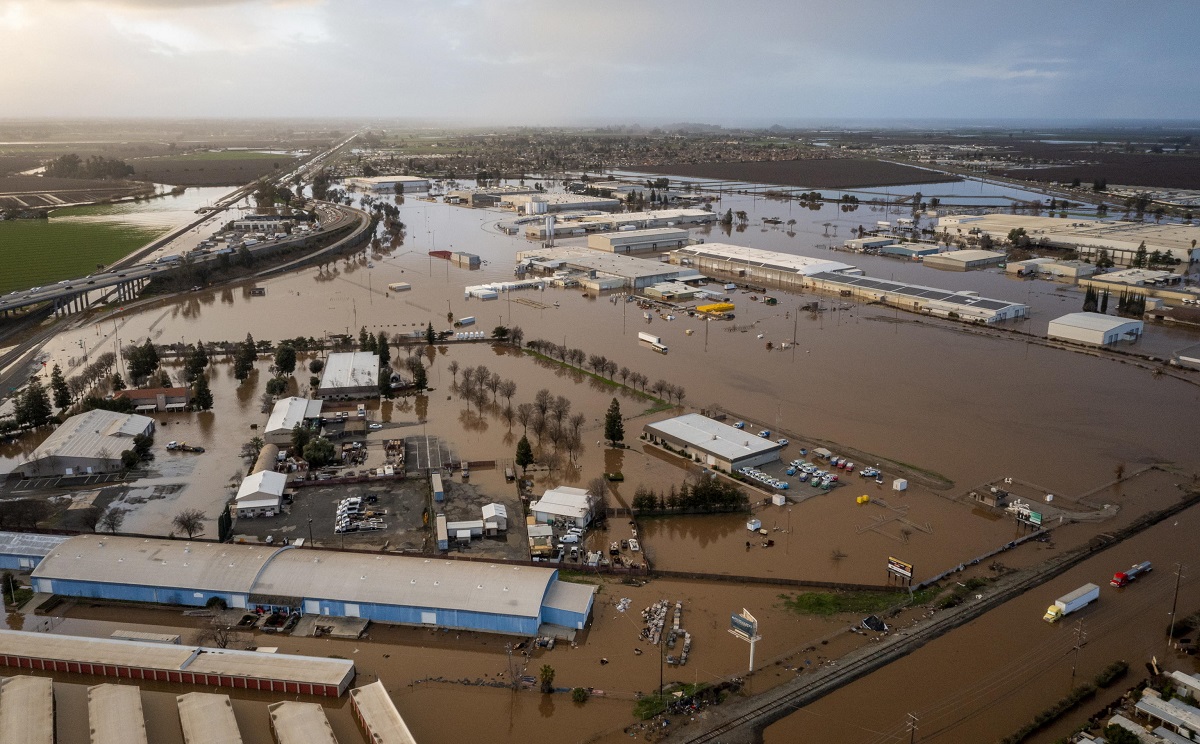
pixel 272 224
pixel 260 495
pixel 352 374
pixel 654 240
pixel 967 260
pixel 543 203
pixel 915 298
pixel 670 291
pixel 287 414
pixel 390 183
pixel 486 197
pixel 1118 238
pixel 27 710
pixel 858 245
pixel 206 718
pixel 712 443
pixel 377 715
pixel 162 662
pixel 115 714
pixel 573 505
pixel 381 588
pixel 22 551
pixel 1095 329
pixel 157 400
pixel 754 264
pixel 602 271
pixel 910 251
pixel 1049 268
pixel 87 443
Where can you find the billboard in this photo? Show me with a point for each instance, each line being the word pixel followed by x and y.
pixel 900 568
pixel 743 625
pixel 1035 518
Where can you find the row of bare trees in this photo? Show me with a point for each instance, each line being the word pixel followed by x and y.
pixel 606 367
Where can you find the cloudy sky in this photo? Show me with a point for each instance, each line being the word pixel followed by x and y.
pixel 563 61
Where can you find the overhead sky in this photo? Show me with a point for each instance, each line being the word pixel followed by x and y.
pixel 568 61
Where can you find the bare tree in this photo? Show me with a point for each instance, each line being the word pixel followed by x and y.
pixel 525 414
pixel 539 426
pixel 516 335
pixel 493 383
pixel 577 422
pixel 189 521
pixel 112 519
pixel 453 367
pixel 658 387
pixel 624 374
pixel 598 495
pixel 508 415
pixel 610 369
pixel 508 389
pixel 680 393
pixel 542 402
pixel 90 518
pixel 560 409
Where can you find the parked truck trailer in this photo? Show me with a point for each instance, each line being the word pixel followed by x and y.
pixel 1068 603
pixel 1129 575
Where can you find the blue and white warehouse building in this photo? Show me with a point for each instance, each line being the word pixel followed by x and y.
pixel 433 592
pixel 22 551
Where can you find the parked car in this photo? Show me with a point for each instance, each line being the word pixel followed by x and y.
pixel 569 538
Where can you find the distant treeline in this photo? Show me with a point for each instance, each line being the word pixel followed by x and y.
pixel 73 166
pixel 706 495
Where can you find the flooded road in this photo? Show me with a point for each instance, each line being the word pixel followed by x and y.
pixel 986 679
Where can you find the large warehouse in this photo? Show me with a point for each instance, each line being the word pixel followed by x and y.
pixel 754 264
pixel 916 298
pixel 717 445
pixel 1096 329
pixel 91 442
pixel 390 183
pixel 654 240
pixel 382 588
pixel 353 374
pixel 966 260
pixel 22 550
pixel 602 271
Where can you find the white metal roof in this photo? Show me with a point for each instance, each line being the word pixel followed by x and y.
pixel 569 596
pixel 491 511
pixel 766 259
pixel 207 719
pixel 401 580
pixel 287 413
pixel 300 723
pixel 350 370
pixel 95 434
pixel 27 710
pixel 379 715
pixel 24 543
pixel 182 564
pixel 1094 321
pixel 966 256
pixel 265 484
pixel 198 659
pixel 713 437
pixel 563 501
pixel 115 714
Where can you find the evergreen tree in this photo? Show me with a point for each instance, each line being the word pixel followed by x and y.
pixel 420 378
pixel 202 397
pixel 117 383
pixel 524 454
pixel 197 361
pixel 1090 300
pixel 1139 258
pixel 58 384
pixel 614 427
pixel 362 338
pixel 383 350
pixel 430 335
pixel 247 355
pixel 285 359
pixel 1104 302
pixel 33 406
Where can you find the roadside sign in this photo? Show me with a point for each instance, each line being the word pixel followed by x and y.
pixel 900 568
pixel 743 625
pixel 1035 518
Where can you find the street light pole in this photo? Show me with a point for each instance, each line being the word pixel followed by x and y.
pixel 310 537
pixel 1174 604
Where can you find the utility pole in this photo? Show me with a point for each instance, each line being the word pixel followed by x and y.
pixel 1080 637
pixel 1174 604
pixel 912 728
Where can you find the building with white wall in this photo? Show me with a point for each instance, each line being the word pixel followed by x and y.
pixel 1095 329
pixel 716 445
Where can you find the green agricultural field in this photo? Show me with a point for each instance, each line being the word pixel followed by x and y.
pixel 41 252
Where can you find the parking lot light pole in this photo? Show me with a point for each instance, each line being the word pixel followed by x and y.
pixel 310 539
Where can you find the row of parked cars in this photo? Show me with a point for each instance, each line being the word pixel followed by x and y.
pixel 354 516
pixel 762 477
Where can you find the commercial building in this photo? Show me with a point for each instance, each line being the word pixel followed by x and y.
pixel 964 260
pixel 542 203
pixel 645 220
pixel 390 183
pixel 712 443
pixel 157 400
pixel 857 245
pixel 287 414
pixel 602 271
pixel 1119 239
pixel 654 240
pixel 915 298
pixel 377 715
pixel 1050 268
pixel 300 723
pixel 754 264
pixel 22 551
pixel 27 710
pixel 190 665
pixel 671 291
pixel 1163 285
pixel 347 375
pixel 1095 329
pixel 260 495
pixel 271 224
pixel 207 719
pixel 382 588
pixel 90 442
pixel 115 714
pixel 486 197
pixel 910 251
pixel 573 505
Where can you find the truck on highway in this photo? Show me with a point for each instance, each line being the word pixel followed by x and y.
pixel 1121 578
pixel 1068 603
pixel 649 338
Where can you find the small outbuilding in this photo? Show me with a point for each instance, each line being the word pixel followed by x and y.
pixel 573 505
pixel 260 495
pixel 289 413
pixel 495 518
pixel 1096 329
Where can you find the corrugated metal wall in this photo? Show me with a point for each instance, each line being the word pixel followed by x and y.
pixel 458 619
pixel 132 593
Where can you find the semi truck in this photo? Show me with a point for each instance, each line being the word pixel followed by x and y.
pixel 1068 603
pixel 649 338
pixel 1121 578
